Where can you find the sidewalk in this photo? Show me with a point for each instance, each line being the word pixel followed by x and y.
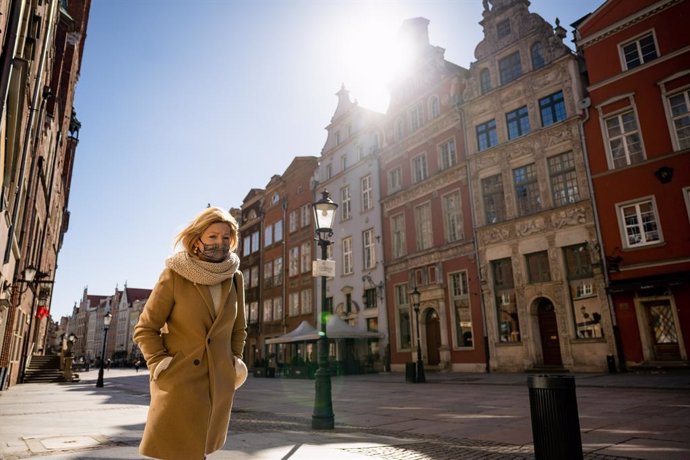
pixel 453 416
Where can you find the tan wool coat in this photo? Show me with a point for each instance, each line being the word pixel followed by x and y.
pixel 191 400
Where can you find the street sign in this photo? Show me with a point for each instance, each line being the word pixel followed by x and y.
pixel 323 268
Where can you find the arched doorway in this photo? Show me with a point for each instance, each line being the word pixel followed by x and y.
pixel 432 325
pixel 548 330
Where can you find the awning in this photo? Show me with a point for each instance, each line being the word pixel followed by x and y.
pixel 336 328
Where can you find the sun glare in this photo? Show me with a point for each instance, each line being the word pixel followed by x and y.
pixel 369 56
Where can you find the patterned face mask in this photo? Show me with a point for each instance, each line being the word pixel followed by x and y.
pixel 214 252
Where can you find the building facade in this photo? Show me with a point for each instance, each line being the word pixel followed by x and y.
pixel 637 133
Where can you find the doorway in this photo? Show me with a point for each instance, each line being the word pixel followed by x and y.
pixel 548 330
pixel 662 330
pixel 433 337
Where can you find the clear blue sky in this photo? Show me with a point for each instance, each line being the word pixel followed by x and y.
pixel 188 103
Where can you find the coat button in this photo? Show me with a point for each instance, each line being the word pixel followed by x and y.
pixel 208 340
pixel 197 362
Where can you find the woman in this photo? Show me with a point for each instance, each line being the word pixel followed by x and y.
pixel 192 335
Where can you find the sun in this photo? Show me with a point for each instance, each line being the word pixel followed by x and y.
pixel 369 54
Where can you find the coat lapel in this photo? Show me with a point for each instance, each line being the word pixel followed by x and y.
pixel 226 290
pixel 205 293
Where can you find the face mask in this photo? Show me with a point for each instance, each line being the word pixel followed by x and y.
pixel 214 252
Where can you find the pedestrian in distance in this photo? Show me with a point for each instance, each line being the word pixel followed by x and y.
pixel 192 333
pixel 137 363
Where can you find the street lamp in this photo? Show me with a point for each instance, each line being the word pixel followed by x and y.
pixel 323 418
pixel 419 377
pixel 106 324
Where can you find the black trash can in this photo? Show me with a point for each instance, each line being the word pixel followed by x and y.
pixel 411 372
pixel 611 362
pixel 555 421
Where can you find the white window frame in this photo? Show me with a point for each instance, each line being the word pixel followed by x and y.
pixel 416 117
pixel 636 40
pixel 369 249
pixel 622 136
pixel 278 271
pixel 685 91
pixel 292 221
pixel 434 106
pixel 398 235
pixel 277 308
pixel 306 301
pixel 448 154
pixel 268 235
pixel 305 215
pixel 422 220
pixel 394 180
pixel 345 203
pixel 278 231
pixel 294 307
pixel 452 217
pixel 293 268
pixel 347 256
pixel 623 226
pixel 420 171
pixel 460 293
pixel 367 202
pixel 305 257
pixel 268 310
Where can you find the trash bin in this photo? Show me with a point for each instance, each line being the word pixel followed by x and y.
pixel 611 362
pixel 555 421
pixel 411 372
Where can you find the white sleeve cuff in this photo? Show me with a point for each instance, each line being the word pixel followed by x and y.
pixel 163 365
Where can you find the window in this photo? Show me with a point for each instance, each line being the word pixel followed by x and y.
pixel 293 307
pixel 564 188
pixel 494 203
pixel 577 261
pixel 307 303
pixel 329 171
pixel 526 190
pixel 292 221
pixel 399 129
pixel 419 172
pixel 268 274
pixel 639 51
pixel 305 215
pixel 503 28
pixel 640 223
pixel 680 117
pixel 343 162
pixel 510 68
pixel 398 235
pixel 486 135
pixel 345 203
pixel 254 275
pixel 422 216
pixel 624 140
pixel 293 270
pixel 448 156
pixel 247 275
pixel 268 310
pixel 278 231
pixel 277 308
pixel 253 312
pixel 347 256
pixel 518 122
pixel 375 142
pixel 416 117
pixel 434 107
pixel 268 235
pixel 278 271
pixel 452 216
pixel 552 109
pixel 538 267
pixel 394 180
pixel 255 242
pixel 369 249
pixel 537 56
pixel 246 246
pixel 367 202
pixel 337 138
pixel 369 298
pixel 460 298
pixel 506 307
pixel 485 80
pixel 404 325
pixel 305 257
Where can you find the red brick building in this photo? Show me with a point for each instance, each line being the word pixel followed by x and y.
pixel 637 134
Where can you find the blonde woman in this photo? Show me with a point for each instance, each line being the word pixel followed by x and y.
pixel 192 333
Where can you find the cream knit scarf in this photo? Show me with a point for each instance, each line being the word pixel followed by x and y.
pixel 201 272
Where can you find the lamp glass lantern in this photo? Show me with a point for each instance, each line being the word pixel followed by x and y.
pixel 324 213
pixel 107 319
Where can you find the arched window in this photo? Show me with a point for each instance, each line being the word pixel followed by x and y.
pixel 434 107
pixel 537 56
pixel 485 80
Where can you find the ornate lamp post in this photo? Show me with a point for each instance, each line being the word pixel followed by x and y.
pixel 419 377
pixel 106 324
pixel 323 418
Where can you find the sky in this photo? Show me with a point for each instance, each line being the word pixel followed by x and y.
pixel 190 103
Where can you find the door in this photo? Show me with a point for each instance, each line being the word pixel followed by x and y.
pixel 548 329
pixel 662 330
pixel 433 337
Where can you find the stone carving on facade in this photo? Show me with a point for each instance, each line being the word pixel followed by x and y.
pixel 495 235
pixel 530 227
pixel 452 175
pixel 571 216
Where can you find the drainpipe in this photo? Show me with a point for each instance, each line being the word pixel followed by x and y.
pixel 37 95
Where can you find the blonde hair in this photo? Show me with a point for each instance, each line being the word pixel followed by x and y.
pixel 209 216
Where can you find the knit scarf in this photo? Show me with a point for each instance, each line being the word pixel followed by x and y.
pixel 201 272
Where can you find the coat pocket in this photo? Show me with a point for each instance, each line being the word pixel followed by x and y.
pixel 170 368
